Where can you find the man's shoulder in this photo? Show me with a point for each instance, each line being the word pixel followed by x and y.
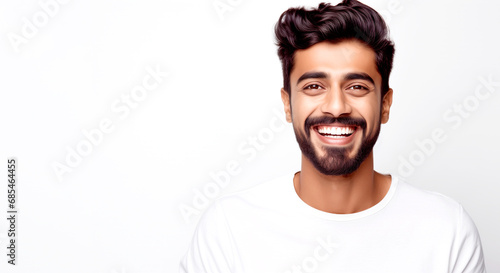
pixel 413 200
pixel 415 193
pixel 447 220
pixel 407 187
pixel 265 194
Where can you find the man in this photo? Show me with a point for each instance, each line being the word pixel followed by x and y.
pixel 336 214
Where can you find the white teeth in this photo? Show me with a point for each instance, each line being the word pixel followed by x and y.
pixel 335 132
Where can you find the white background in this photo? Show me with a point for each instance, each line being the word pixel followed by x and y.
pixel 119 209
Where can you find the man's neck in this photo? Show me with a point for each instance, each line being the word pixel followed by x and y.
pixel 352 193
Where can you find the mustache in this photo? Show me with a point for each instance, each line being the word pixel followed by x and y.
pixel 349 121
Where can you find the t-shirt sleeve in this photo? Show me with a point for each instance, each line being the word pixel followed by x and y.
pixel 467 249
pixel 212 248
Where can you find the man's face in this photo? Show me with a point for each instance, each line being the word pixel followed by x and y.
pixel 335 105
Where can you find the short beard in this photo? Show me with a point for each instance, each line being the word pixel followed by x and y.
pixel 336 161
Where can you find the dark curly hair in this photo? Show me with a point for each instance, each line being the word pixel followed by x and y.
pixel 300 28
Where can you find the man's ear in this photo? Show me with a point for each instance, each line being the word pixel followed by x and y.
pixel 285 98
pixel 386 106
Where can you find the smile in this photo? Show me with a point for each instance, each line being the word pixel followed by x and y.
pixel 335 131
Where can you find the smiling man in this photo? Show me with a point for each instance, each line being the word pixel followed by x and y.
pixel 338 106
pixel 336 214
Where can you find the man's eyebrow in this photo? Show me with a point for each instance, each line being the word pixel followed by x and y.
pixel 359 76
pixel 312 75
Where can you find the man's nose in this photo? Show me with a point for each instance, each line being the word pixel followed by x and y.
pixel 335 103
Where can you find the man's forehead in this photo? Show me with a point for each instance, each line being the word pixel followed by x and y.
pixel 335 59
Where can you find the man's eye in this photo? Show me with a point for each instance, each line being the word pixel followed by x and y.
pixel 358 87
pixel 313 86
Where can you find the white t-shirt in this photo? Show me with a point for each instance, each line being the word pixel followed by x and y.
pixel 268 228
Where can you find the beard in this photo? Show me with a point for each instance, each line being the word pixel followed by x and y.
pixel 336 160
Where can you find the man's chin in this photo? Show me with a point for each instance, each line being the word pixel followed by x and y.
pixel 336 167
